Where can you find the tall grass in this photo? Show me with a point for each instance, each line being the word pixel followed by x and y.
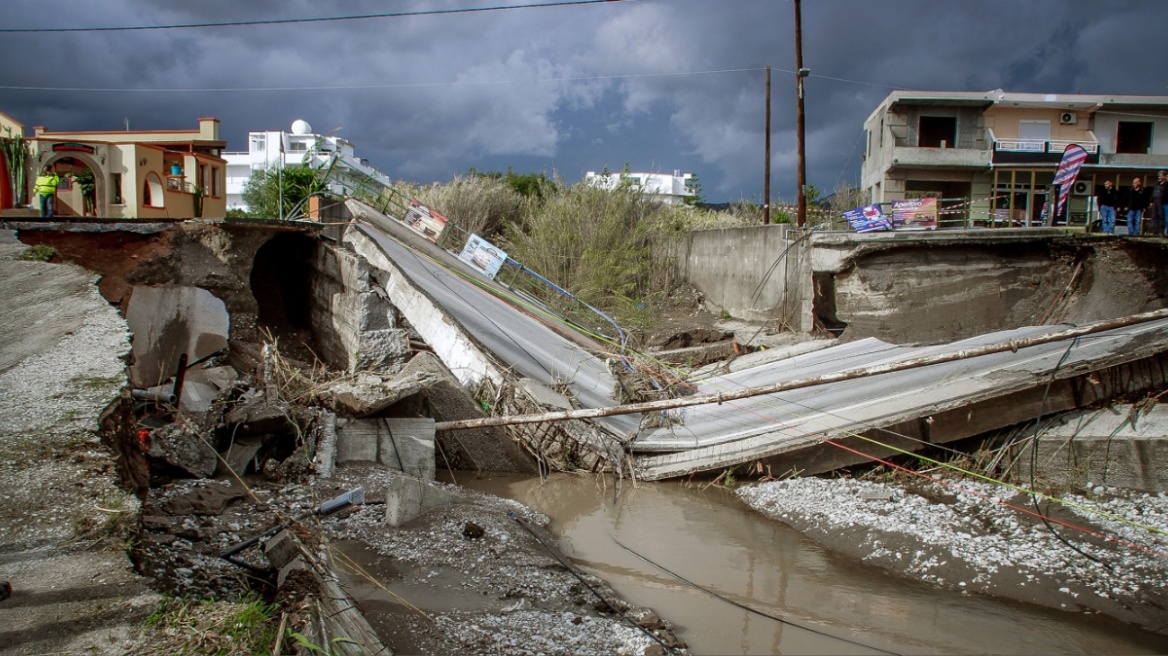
pixel 612 248
pixel 592 242
pixel 478 204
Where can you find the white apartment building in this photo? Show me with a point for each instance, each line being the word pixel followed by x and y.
pixel 663 187
pixel 299 147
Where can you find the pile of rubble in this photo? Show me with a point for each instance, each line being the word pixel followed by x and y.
pixel 235 468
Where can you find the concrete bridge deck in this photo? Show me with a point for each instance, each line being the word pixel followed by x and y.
pixel 904 410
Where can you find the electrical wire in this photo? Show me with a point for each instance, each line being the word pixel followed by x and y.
pixel 743 606
pixel 359 87
pixel 290 21
pixel 586 584
pixel 1034 460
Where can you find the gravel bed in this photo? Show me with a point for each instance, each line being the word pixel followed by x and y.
pixel 1105 552
pixel 534 604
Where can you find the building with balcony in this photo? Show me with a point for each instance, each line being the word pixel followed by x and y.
pixel 992 156
pixel 662 187
pixel 140 174
pixel 300 147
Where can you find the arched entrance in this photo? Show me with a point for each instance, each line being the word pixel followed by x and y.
pixel 85 193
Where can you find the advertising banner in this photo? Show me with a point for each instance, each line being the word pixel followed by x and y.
pixel 424 221
pixel 915 214
pixel 482 256
pixel 867 219
pixel 1068 170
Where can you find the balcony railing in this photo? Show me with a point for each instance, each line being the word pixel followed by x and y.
pixel 1042 146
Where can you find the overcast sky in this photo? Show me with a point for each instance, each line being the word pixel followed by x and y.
pixel 658 85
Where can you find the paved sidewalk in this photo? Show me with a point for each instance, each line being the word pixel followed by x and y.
pixel 73 590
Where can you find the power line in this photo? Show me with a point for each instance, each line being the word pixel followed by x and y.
pixel 290 21
pixel 351 87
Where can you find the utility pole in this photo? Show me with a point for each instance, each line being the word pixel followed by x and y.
pixel 800 73
pixel 280 178
pixel 766 183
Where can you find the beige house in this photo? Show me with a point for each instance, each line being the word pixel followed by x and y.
pixel 135 174
pixel 992 156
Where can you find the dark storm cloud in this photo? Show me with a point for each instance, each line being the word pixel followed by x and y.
pixel 654 84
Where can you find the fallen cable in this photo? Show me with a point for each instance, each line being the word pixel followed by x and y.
pixel 744 606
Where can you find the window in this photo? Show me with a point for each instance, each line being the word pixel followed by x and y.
pixel 937 132
pixel 215 181
pixel 1038 130
pixel 152 194
pixel 258 142
pixel 1134 138
pixel 297 146
pixel 116 184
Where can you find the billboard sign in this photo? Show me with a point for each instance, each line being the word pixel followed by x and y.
pixel 915 214
pixel 482 256
pixel 868 218
pixel 425 221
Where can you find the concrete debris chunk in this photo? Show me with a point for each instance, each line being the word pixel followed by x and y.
pixel 182 447
pixel 407 498
pixel 367 394
pixel 169 321
pixel 258 414
pixel 445 399
pixel 240 453
pixel 404 444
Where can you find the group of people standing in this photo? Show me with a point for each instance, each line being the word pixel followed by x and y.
pixel 1134 202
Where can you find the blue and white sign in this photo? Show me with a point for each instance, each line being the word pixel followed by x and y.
pixel 483 256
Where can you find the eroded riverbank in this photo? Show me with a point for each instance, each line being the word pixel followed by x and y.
pixel 828 602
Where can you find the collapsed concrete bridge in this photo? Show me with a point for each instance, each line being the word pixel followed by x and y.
pixel 369 291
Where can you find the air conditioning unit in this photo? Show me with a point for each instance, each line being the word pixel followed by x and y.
pixel 1068 118
pixel 1081 188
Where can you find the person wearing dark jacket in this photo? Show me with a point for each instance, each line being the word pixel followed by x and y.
pixel 1108 203
pixel 1136 201
pixel 1159 200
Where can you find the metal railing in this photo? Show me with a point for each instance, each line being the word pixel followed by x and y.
pixel 959 214
pixel 516 277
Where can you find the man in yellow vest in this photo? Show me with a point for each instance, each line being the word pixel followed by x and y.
pixel 46 187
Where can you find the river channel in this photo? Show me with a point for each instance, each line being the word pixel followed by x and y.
pixel 824 603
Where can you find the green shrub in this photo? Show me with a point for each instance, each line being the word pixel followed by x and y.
pixel 38 253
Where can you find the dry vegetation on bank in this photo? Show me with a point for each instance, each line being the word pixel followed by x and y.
pixel 603 246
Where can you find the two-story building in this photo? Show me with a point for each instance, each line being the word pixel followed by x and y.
pixel 300 147
pixel 140 174
pixel 662 187
pixel 992 156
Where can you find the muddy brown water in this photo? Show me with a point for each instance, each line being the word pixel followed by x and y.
pixel 829 605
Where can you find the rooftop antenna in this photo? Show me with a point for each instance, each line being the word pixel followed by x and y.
pixel 126 119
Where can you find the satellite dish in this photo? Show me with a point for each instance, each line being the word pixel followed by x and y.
pixel 300 126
